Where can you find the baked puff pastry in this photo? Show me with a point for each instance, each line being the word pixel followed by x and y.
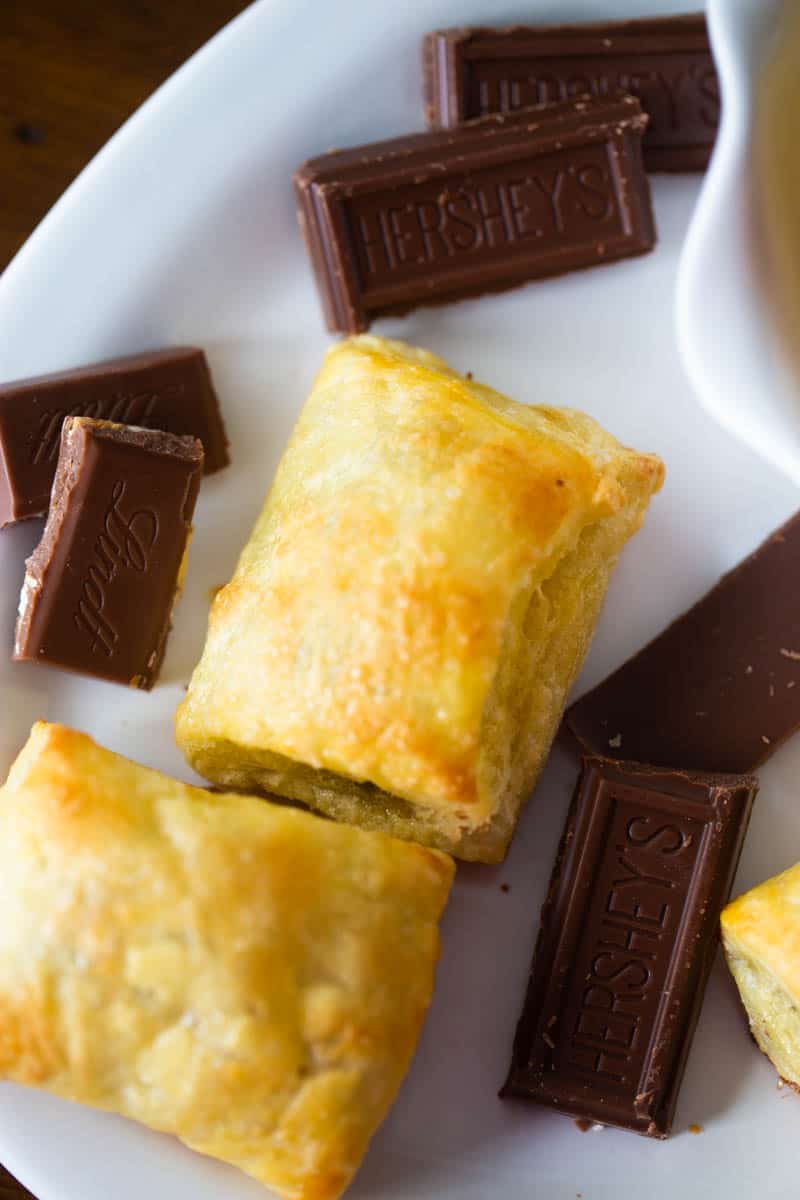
pixel 246 976
pixel 761 939
pixel 417 596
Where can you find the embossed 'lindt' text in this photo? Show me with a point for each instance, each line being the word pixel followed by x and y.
pixel 125 408
pixel 440 224
pixel 123 543
pixel 627 948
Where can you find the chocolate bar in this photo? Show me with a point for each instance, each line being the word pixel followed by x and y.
pixel 666 62
pixel 627 939
pixel 435 217
pixel 168 389
pixel 719 689
pixel 100 586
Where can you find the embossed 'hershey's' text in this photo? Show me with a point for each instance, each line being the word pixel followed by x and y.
pixel 627 948
pixel 124 543
pixel 556 199
pixel 680 93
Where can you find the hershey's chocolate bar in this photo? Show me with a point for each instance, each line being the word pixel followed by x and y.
pixel 165 389
pixel 627 939
pixel 719 689
pixel 665 61
pixel 100 586
pixel 435 217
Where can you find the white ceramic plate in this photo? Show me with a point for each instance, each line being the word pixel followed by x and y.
pixel 183 230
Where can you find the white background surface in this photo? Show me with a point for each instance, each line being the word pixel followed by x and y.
pixel 184 230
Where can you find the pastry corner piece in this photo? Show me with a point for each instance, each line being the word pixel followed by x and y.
pixel 761 939
pixel 398 640
pixel 247 977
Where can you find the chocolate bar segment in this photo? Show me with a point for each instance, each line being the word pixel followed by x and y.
pixel 719 689
pixel 435 217
pixel 627 939
pixel 167 389
pixel 665 61
pixel 100 586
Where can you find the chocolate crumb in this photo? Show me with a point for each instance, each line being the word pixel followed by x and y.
pixel 583 1124
pixel 505 887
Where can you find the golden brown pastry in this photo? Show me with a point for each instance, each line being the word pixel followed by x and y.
pixel 246 976
pixel 761 939
pixel 417 596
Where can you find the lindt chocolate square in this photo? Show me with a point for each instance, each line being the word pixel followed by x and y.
pixel 162 389
pixel 100 586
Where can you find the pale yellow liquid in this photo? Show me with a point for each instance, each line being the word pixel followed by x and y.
pixel 777 169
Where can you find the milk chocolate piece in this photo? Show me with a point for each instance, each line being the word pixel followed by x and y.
pixel 627 939
pixel 166 389
pixel 435 217
pixel 666 62
pixel 719 689
pixel 100 586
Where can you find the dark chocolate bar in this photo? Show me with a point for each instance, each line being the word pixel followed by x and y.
pixel 719 689
pixel 665 61
pixel 627 939
pixel 100 586
pixel 435 217
pixel 167 389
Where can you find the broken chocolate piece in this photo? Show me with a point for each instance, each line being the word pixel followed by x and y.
pixel 719 689
pixel 665 61
pixel 166 389
pixel 100 586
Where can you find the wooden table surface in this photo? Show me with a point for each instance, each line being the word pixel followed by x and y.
pixel 71 71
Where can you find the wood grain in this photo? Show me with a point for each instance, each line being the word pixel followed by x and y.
pixel 71 71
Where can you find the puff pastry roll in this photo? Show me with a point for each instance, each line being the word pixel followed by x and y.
pixel 761 939
pixel 243 975
pixel 417 596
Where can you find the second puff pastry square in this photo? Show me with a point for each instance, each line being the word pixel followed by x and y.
pixel 240 974
pixel 418 595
